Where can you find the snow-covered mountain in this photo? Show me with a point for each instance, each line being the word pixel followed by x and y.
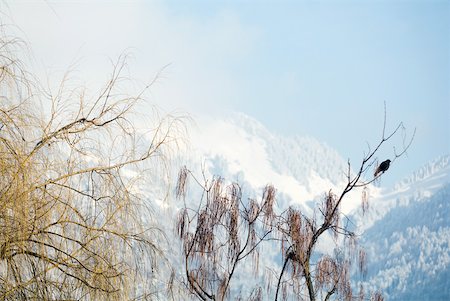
pixel 242 149
pixel 407 236
pixel 406 231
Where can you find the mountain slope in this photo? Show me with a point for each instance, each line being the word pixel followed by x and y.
pixel 407 236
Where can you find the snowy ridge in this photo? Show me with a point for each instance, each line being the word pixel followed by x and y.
pixel 407 236
pixel 423 183
pixel 297 155
pixel 435 169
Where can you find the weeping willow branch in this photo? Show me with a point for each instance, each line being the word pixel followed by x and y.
pixel 71 218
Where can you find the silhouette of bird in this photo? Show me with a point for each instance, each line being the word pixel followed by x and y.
pixel 382 167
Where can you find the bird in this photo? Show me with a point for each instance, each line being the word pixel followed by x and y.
pixel 382 167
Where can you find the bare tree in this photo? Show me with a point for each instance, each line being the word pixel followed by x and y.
pixel 220 234
pixel 224 229
pixel 72 223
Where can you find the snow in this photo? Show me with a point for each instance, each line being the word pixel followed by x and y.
pixel 301 168
pixel 247 155
pixel 408 236
pixel 406 231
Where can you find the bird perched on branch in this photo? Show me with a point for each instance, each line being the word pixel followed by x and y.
pixel 382 167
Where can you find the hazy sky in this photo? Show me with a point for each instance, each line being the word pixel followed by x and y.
pixel 318 68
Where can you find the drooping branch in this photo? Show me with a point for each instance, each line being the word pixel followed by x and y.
pixel 220 233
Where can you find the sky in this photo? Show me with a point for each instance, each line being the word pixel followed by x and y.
pixel 319 68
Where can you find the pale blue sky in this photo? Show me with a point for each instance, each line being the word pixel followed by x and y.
pixel 318 68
